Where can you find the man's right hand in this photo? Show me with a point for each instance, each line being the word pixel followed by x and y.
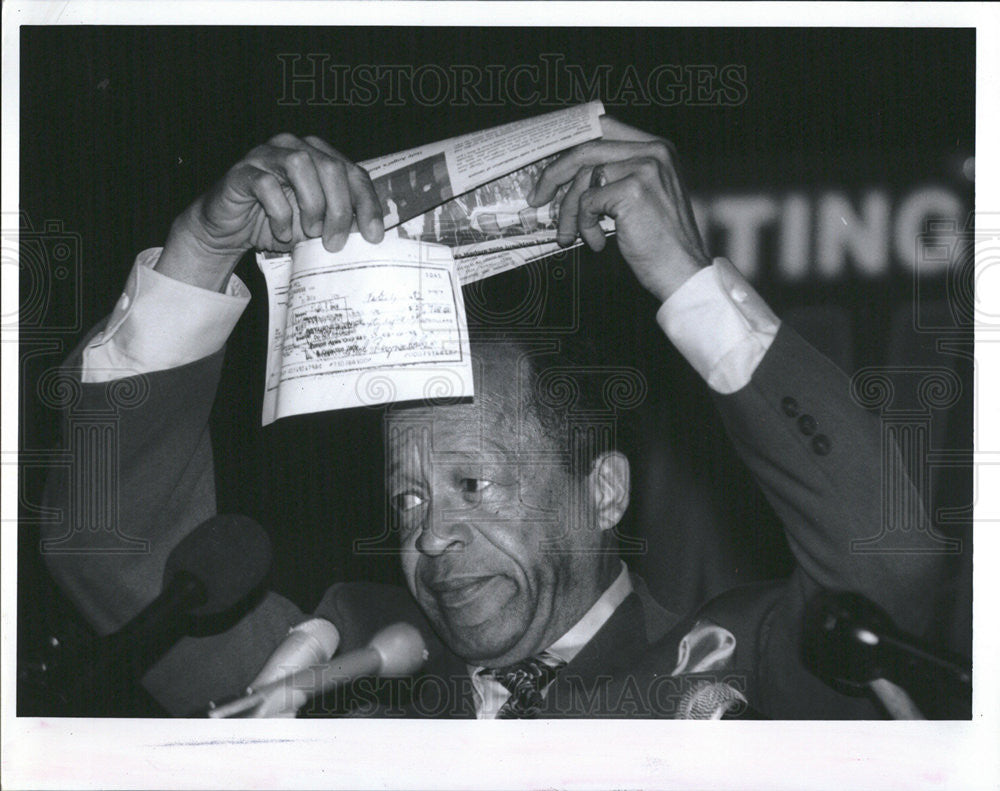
pixel 281 193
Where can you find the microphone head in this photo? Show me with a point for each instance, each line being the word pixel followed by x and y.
pixel 841 637
pixel 401 648
pixel 309 643
pixel 229 554
pixel 710 701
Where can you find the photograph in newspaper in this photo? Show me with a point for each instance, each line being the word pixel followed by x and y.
pixel 493 211
pixel 413 190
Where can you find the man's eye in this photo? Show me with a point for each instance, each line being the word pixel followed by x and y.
pixel 407 501
pixel 475 485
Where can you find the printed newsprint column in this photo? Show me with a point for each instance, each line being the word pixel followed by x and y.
pixel 367 325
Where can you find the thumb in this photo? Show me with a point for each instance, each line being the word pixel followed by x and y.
pixel 609 200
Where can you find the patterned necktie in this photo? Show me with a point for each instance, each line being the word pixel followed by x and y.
pixel 526 681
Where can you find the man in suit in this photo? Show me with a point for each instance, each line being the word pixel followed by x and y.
pixel 505 517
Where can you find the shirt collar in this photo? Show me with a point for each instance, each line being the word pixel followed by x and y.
pixel 570 644
pixel 490 695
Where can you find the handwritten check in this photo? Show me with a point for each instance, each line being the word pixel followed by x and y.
pixel 370 324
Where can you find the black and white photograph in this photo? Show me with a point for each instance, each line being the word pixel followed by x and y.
pixel 713 451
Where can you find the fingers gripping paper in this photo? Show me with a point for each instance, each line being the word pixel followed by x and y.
pixel 368 325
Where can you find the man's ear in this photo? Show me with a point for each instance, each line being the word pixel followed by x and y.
pixel 608 487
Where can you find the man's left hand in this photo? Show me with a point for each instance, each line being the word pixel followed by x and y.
pixel 637 184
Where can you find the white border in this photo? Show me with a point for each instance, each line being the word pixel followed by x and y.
pixel 580 754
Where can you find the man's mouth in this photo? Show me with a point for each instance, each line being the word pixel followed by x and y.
pixel 455 592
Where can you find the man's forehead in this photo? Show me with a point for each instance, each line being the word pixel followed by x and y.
pixel 480 426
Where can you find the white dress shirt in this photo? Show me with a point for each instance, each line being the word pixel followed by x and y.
pixel 160 323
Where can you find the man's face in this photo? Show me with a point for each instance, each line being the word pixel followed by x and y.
pixel 496 547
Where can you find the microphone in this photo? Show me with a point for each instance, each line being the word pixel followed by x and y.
pixel 396 650
pixel 849 639
pixel 710 701
pixel 309 643
pixel 211 569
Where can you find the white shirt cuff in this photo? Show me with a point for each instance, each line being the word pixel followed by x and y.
pixel 720 324
pixel 160 323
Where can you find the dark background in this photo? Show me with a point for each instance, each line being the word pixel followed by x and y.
pixel 122 127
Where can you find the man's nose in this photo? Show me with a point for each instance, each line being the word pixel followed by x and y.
pixel 443 532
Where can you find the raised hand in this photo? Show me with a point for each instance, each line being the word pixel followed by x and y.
pixel 631 176
pixel 281 193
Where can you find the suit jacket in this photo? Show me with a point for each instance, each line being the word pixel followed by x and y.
pixel 817 455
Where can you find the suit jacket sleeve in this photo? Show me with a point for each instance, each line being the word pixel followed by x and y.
pixel 140 478
pixel 820 459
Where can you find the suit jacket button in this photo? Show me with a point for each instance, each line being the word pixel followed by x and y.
pixel 821 444
pixel 807 425
pixel 790 406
